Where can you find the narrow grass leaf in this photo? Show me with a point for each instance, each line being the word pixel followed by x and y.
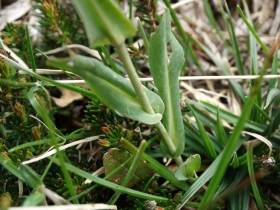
pixel 194 139
pixel 30 177
pixel 230 27
pixel 250 160
pixel 211 18
pixel 111 88
pixel 271 129
pixel 273 93
pixel 234 85
pixel 6 162
pixel 225 156
pixel 11 83
pixel 42 112
pixel 110 184
pixel 221 134
pixel 30 51
pixel 252 30
pixel 240 199
pixel 231 118
pixel 229 149
pixel 14 64
pixel 274 69
pixel 231 183
pixel 204 137
pixel 166 70
pixel 135 163
pixel 235 161
pixel 143 34
pixel 262 112
pixel 45 141
pixel 38 104
pixel 157 167
pixel 87 181
pixel 252 42
pixel 109 59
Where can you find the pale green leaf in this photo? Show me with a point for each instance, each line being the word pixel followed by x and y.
pixel 165 69
pixel 111 88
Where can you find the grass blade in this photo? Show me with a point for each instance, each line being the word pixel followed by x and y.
pixel 156 166
pixel 252 176
pixel 131 171
pixel 230 29
pixel 252 30
pixel 221 134
pixel 206 140
pixel 110 184
pixel 7 163
pixel 211 18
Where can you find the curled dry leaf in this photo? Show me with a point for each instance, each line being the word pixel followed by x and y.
pixel 115 158
pixel 67 97
pixel 261 138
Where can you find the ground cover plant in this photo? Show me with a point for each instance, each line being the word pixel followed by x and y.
pixel 115 104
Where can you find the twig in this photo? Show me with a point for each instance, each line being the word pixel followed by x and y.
pixel 186 78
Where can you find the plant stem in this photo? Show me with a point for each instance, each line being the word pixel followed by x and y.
pixel 163 133
pixel 137 85
pixel 142 31
pixel 139 89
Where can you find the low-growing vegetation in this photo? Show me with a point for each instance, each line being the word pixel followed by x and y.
pixel 141 104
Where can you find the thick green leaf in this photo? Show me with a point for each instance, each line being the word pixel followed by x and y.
pixel 104 22
pixel 114 158
pixel 165 69
pixel 112 89
pixel 188 168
